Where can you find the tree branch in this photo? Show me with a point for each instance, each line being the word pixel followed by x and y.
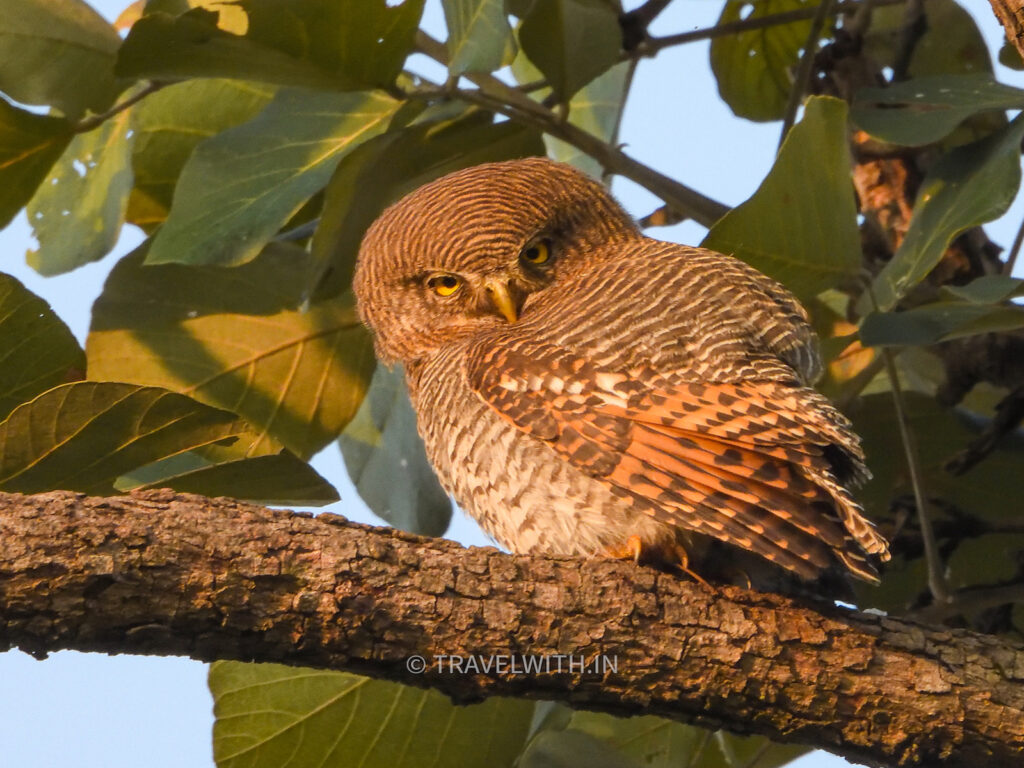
pixel 1011 15
pixel 160 573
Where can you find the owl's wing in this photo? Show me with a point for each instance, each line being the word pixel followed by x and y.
pixel 751 463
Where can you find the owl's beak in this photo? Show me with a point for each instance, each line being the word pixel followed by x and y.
pixel 500 296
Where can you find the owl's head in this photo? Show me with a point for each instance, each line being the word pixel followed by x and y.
pixel 469 250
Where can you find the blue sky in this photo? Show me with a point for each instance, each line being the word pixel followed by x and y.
pixel 94 710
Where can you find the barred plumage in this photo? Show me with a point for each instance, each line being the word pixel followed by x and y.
pixel 583 389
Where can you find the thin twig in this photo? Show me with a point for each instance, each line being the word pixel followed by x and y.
pixel 936 579
pixel 1011 258
pixel 914 26
pixel 634 24
pixel 654 45
pixel 503 99
pixel 973 599
pixel 94 121
pixel 802 80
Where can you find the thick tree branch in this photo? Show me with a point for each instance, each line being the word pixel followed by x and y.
pixel 215 579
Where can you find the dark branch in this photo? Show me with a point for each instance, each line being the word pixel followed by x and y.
pixel 161 573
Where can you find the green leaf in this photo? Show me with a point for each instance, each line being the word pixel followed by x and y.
pixel 940 433
pixel 387 462
pixel 987 289
pixel 753 67
pixel 59 53
pixel 571 41
pixel 271 715
pixel 479 36
pixel 384 169
pixel 938 321
pixel 170 123
pixel 952 44
pixel 83 436
pixel 924 110
pixel 29 146
pixel 596 108
pixel 241 186
pixel 598 740
pixel 967 187
pixel 77 213
pixel 37 351
pixel 338 44
pixel 235 338
pixel 800 226
pixel 280 478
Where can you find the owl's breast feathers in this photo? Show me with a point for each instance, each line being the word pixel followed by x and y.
pixel 682 388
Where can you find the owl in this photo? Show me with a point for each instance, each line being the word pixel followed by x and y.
pixel 584 390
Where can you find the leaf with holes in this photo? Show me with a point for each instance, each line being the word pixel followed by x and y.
pixel 752 67
pixel 236 338
pixel 926 109
pixel 77 213
pixel 37 351
pixel 268 715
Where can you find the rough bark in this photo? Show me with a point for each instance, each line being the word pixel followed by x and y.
pixel 1011 15
pixel 160 573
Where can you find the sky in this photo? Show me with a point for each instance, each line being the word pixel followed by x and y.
pixel 95 710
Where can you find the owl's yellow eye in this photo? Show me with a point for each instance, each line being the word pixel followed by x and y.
pixel 444 285
pixel 538 253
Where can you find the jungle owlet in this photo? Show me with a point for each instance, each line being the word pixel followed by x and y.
pixel 585 390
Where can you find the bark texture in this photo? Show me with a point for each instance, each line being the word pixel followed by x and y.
pixel 161 573
pixel 1011 15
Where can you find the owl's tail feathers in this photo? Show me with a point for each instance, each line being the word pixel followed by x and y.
pixel 781 503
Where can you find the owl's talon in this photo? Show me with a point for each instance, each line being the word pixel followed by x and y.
pixel 631 550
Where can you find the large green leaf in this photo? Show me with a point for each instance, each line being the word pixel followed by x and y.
pixel 37 351
pixel 341 44
pixel 567 739
pixel 967 187
pixel 387 461
pixel 596 108
pixel 170 123
pixel 384 169
pixel 988 289
pixel 29 146
pixel 571 41
pixel 83 436
pixel 800 226
pixel 270 715
pixel 753 67
pixel 926 109
pixel 241 186
pixel 938 321
pixel 951 44
pixel 479 36
pixel 77 213
pixel 279 478
pixel 59 53
pixel 235 338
